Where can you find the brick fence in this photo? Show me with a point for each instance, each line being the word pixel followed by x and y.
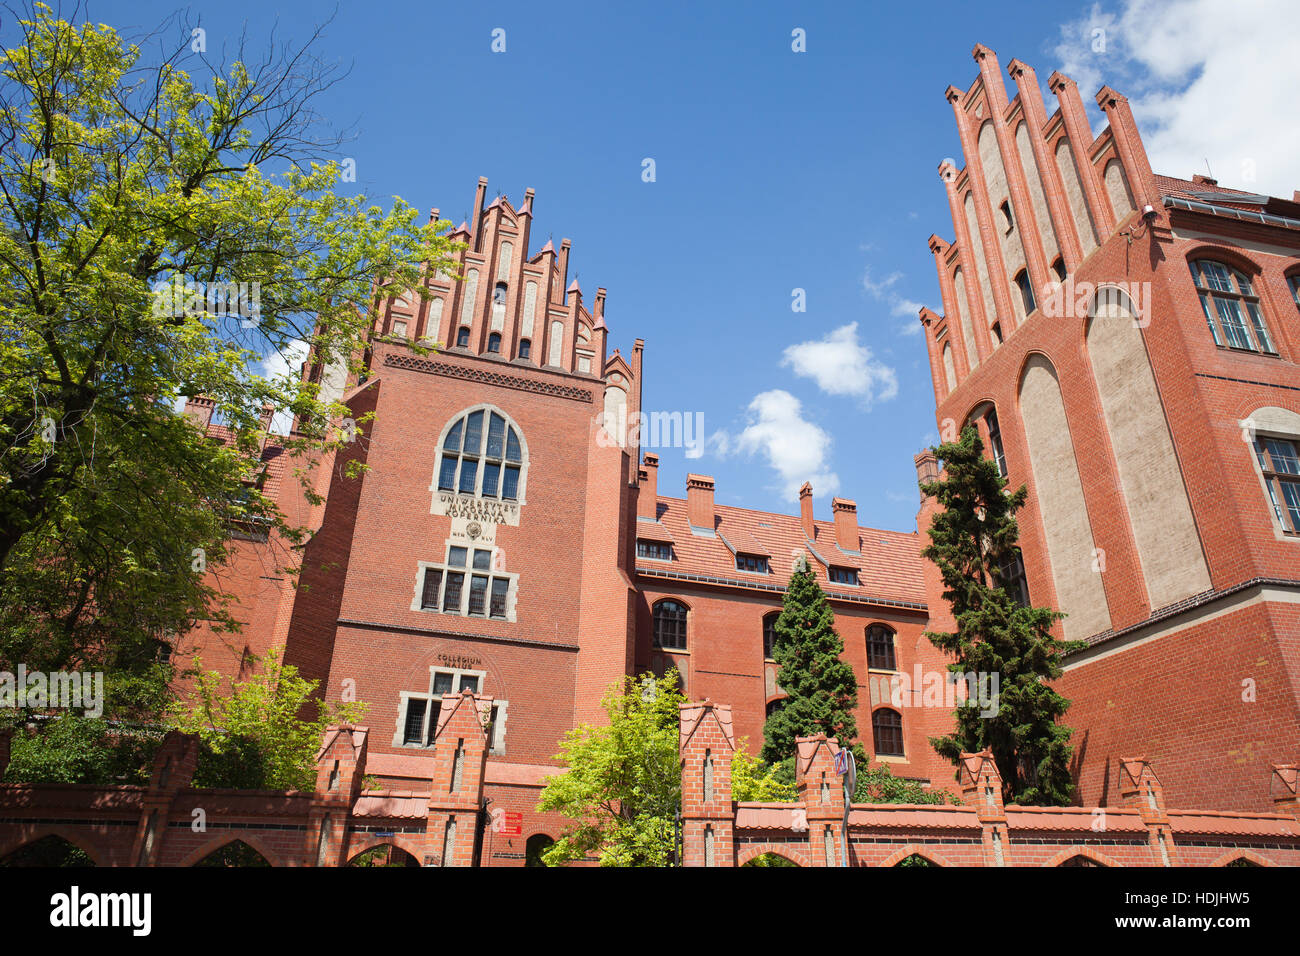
pixel 1141 831
pixel 170 823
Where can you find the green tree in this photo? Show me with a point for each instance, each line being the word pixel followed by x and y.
pixel 753 781
pixel 972 538
pixel 622 786
pixel 821 689
pixel 71 748
pixel 253 734
pixel 124 177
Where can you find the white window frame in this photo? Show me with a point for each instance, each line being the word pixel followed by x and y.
pixel 496 746
pixel 512 588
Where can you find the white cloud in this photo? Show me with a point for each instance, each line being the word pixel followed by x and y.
pixel 1207 79
pixel 797 449
pixel 841 365
pixel 884 290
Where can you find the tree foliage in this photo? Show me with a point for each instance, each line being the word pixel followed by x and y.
pixel 252 734
pixel 135 189
pixel 821 689
pixel 972 538
pixel 622 786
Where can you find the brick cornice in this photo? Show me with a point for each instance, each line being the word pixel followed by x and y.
pixel 487 377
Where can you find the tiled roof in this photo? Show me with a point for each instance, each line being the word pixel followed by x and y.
pixel 1223 196
pixel 1072 818
pixel 1234 824
pixel 397 804
pixel 889 566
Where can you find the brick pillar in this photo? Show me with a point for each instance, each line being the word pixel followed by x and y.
pixel 1079 133
pixel 819 789
pixel 456 791
pixel 1128 144
pixel 1140 789
pixel 979 320
pixel 340 769
pixel 173 769
pixel 981 788
pixel 705 745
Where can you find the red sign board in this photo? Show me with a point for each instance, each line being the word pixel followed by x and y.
pixel 509 823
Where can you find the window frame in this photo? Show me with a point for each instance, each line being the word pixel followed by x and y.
pixel 481 457
pixel 468 571
pixel 762 562
pixel 1239 297
pixel 651 545
pixel 769 646
pixel 852 573
pixel 872 656
pixel 877 715
pixel 500 710
pixel 1287 517
pixel 685 626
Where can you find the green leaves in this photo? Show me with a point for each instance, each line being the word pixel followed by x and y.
pixel 622 787
pixel 970 540
pixel 133 197
pixel 252 733
pixel 821 689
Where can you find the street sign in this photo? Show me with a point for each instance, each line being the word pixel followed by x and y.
pixel 512 823
pixel 842 762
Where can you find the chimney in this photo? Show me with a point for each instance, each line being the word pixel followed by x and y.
pixel 927 468
pixel 699 503
pixel 806 511
pixel 199 411
pixel 846 523
pixel 478 213
pixel 647 496
pixel 1204 180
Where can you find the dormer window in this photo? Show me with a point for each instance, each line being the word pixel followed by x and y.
pixel 655 550
pixel 752 563
pixel 840 575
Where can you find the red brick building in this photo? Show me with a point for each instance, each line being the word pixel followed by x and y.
pixel 505 539
pixel 1127 344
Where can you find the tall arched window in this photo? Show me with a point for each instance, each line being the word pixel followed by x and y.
pixel 1026 292
pixel 494 342
pixel 670 625
pixel 887 732
pixel 769 634
pixel 482 455
pixel 1231 307
pixel 880 648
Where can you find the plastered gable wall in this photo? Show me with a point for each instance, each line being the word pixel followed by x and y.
pixel 1169 548
pixel 1060 498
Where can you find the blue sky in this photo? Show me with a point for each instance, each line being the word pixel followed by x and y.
pixel 774 171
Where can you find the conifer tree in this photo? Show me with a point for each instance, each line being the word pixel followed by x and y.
pixel 821 689
pixel 972 539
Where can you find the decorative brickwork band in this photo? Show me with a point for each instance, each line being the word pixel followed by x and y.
pixel 485 377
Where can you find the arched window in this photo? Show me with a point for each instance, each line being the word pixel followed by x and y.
pixel 483 456
pixel 774 705
pixel 499 294
pixel 769 634
pixel 1026 292
pixel 1058 267
pixel 880 648
pixel 995 441
pixel 462 337
pixel 494 342
pixel 525 348
pixel 1231 307
pixel 995 330
pixel 887 732
pixel 670 625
